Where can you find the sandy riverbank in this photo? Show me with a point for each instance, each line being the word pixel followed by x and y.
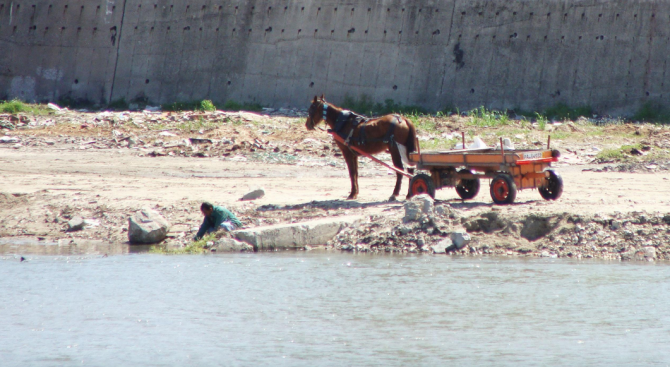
pixel 110 168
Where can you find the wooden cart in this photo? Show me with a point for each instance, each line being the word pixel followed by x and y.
pixel 509 171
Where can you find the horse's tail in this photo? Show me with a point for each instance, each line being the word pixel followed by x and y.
pixel 411 137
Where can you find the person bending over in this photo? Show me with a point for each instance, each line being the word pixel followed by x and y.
pixel 216 217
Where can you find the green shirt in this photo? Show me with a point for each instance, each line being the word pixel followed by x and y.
pixel 214 220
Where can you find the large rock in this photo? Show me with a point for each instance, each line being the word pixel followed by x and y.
pixel 460 239
pixel 647 253
pixel 295 235
pixel 253 195
pixel 442 247
pixel 231 245
pixel 75 224
pixel 418 206
pixel 147 226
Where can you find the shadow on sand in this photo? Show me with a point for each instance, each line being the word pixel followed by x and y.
pixel 328 205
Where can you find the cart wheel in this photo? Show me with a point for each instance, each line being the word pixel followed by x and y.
pixel 422 184
pixel 503 189
pixel 467 189
pixel 554 187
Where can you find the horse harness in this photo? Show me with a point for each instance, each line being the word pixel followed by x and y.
pixel 348 116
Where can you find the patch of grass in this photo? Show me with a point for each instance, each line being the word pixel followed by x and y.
pixel 617 154
pixel 423 124
pixel 651 113
pixel 204 105
pixel 17 106
pixel 510 132
pixel 231 105
pixel 14 106
pixel 439 144
pixel 482 117
pixel 560 135
pixel 562 112
pixel 366 106
pixel 541 121
pixel 196 125
pixel 118 105
pixel 195 247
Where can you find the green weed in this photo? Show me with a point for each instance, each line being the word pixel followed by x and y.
pixel 651 113
pixel 231 105
pixel 481 117
pixel 197 125
pixel 541 121
pixel 14 106
pixel 118 105
pixel 17 106
pixel 204 105
pixel 366 106
pixel 195 247
pixel 559 135
pixel 440 144
pixel 207 105
pixel 562 112
pixel 617 154
pixel 423 124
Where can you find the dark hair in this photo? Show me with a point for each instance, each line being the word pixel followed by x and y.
pixel 206 206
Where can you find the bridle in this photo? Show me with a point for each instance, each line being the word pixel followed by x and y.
pixel 325 112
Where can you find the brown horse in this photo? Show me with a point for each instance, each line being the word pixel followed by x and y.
pixel 372 136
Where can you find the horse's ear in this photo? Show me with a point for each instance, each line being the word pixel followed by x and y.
pixel 323 98
pixel 314 101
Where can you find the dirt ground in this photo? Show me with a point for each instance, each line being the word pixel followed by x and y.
pixel 56 173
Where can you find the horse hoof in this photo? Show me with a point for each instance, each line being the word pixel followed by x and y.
pixel 393 199
pixel 352 197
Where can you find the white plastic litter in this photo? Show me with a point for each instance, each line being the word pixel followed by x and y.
pixel 477 143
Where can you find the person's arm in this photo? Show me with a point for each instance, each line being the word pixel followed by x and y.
pixel 204 227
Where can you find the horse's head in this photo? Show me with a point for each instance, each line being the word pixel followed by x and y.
pixel 315 113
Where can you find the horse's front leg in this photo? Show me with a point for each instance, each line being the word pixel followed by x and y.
pixel 352 164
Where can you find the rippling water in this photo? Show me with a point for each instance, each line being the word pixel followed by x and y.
pixel 321 309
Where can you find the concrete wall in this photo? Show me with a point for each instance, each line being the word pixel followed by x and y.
pixel 611 55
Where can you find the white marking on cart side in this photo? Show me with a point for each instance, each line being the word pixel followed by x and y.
pixel 532 155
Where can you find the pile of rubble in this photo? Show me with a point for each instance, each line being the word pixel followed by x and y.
pixel 424 228
pixel 639 236
pixel 442 229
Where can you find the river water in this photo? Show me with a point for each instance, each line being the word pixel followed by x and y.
pixel 331 309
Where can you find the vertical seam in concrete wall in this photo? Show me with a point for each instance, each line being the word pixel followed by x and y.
pixel 118 47
pixel 451 24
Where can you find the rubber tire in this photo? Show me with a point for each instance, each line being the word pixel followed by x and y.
pixel 554 187
pixel 468 192
pixel 422 184
pixel 503 182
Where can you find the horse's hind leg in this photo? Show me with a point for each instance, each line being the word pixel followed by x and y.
pixel 397 162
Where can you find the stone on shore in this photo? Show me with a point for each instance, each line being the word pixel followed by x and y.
pixel 75 224
pixel 647 253
pixel 147 226
pixel 460 239
pixel 442 246
pixel 9 140
pixel 253 195
pixel 295 235
pixel 231 245
pixel 418 206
